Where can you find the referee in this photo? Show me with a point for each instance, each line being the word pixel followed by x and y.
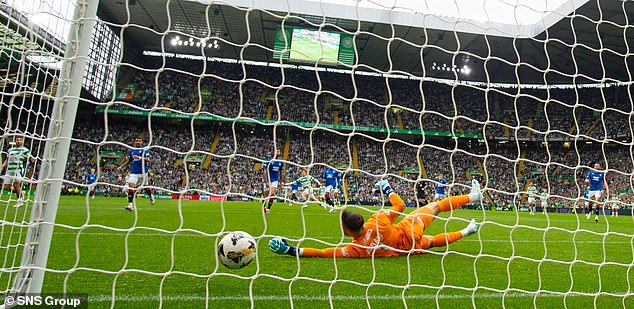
pixel 420 188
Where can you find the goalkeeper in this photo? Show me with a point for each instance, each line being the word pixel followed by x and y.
pixel 380 237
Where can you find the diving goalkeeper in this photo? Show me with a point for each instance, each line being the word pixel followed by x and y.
pixel 380 237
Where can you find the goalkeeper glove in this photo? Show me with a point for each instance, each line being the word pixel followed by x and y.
pixel 280 246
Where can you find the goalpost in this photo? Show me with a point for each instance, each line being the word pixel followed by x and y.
pixel 444 95
pixel 55 129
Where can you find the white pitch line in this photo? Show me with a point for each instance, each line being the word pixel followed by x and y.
pixel 108 298
pixel 189 234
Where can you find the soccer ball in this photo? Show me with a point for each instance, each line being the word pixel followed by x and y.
pixel 237 250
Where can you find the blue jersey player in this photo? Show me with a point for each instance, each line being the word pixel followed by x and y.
pixel 332 181
pixel 440 188
pixel 586 201
pixel 595 179
pixel 294 188
pixel 272 175
pixel 92 178
pixel 138 159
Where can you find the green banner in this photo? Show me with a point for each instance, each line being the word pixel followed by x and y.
pixel 342 166
pixel 111 154
pixel 346 49
pixel 412 170
pixel 134 112
pixel 282 42
pixel 193 158
pixel 473 171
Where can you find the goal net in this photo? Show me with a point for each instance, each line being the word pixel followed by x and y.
pixel 138 133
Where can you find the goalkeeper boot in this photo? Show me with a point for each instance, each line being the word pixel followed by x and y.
pixel 130 207
pixel 472 228
pixel 19 203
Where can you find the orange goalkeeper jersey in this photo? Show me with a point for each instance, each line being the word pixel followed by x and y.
pixel 383 238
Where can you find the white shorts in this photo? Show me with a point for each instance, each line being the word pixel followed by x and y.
pixel 307 191
pixel 327 189
pixel 544 204
pixel 531 200
pixel 615 206
pixel 586 203
pixel 439 196
pixel 596 194
pixel 10 178
pixel 134 178
pixel 331 189
pixel 273 184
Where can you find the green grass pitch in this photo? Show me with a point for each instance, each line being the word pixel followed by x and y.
pixel 310 50
pixel 138 257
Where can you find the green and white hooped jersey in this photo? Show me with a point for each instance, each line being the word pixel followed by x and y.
pixel 543 196
pixel 306 181
pixel 532 191
pixel 16 156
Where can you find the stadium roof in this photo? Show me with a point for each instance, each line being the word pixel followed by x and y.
pixel 587 46
pixel 519 18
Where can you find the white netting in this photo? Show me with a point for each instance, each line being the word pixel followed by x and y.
pixel 212 94
pixel 28 89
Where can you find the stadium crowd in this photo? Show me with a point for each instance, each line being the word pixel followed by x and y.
pixel 225 159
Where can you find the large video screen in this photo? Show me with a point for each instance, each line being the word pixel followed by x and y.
pixel 311 45
pixel 306 45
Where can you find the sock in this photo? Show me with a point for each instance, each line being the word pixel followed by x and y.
pixel 270 202
pixel 329 201
pixel 148 191
pixel 130 195
pixel 444 239
pixel 454 202
pixel 92 192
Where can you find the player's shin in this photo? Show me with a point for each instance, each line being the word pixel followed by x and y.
pixel 444 239
pixel 329 201
pixel 130 195
pixel 455 202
